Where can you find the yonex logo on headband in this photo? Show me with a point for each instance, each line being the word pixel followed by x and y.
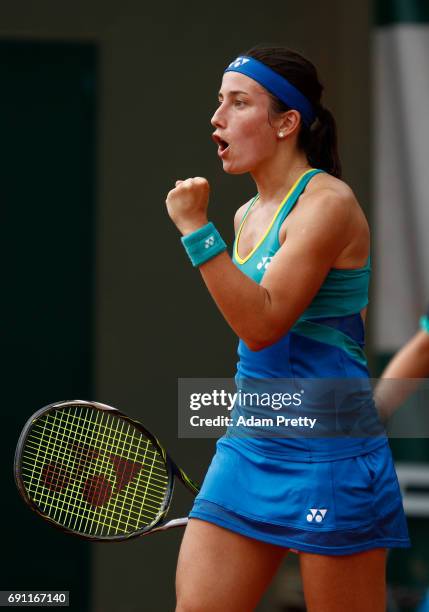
pixel 240 61
pixel 275 84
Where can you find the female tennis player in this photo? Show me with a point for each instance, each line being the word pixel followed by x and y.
pixel 295 293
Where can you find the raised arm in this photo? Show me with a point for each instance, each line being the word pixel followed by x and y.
pixel 261 314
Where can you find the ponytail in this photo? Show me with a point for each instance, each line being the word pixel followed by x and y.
pixel 319 141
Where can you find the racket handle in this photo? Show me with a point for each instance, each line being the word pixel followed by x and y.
pixel 179 522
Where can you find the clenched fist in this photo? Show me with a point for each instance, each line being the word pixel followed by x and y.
pixel 187 204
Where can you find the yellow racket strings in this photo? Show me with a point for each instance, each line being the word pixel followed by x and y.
pixel 93 472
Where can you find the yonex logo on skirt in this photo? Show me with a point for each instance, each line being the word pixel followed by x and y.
pixel 316 514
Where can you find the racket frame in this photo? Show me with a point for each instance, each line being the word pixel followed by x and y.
pixel 158 524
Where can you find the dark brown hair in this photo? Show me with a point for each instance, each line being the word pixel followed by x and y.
pixel 319 141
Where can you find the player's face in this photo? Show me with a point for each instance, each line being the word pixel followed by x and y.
pixel 244 135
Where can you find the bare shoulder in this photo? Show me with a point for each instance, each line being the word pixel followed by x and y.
pixel 330 196
pixel 330 200
pixel 329 206
pixel 238 217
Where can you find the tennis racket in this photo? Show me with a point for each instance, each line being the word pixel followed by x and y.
pixel 93 472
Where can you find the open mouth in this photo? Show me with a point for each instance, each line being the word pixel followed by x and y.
pixel 222 144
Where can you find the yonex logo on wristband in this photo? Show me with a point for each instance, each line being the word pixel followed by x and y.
pixel 316 514
pixel 203 244
pixel 239 62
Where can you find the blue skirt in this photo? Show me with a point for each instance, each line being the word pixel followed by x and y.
pixel 334 507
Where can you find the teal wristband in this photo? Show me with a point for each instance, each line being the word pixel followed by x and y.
pixel 424 323
pixel 203 244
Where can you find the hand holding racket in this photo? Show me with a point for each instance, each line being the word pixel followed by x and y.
pixel 92 471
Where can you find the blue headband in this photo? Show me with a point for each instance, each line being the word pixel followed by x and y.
pixel 276 84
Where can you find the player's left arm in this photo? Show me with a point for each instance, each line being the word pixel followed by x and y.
pixel 412 360
pixel 315 237
pixel 402 375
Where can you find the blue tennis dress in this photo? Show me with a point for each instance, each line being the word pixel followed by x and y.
pixel 333 495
